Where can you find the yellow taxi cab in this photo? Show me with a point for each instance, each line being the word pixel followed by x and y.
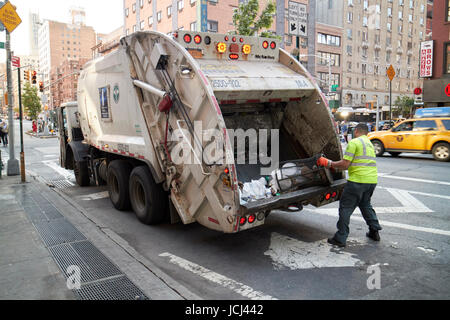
pixel 425 135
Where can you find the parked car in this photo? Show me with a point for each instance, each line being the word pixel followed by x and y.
pixel 426 135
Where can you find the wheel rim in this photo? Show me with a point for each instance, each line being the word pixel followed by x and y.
pixel 442 152
pixel 114 187
pixel 377 148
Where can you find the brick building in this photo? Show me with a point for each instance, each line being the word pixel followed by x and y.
pixel 434 93
pixel 60 41
pixel 65 90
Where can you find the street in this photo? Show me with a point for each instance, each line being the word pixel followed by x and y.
pixel 288 258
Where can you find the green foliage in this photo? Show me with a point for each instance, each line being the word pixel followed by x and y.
pixel 31 101
pixel 405 105
pixel 246 23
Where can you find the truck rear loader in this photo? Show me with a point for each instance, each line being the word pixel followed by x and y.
pixel 169 122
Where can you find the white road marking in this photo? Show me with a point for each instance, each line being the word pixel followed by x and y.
pixel 51 156
pixel 385 223
pixel 235 286
pixel 409 204
pixel 95 196
pixel 386 175
pixel 427 250
pixel 295 255
pixel 422 193
pixel 65 173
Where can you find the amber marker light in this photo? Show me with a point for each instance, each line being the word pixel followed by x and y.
pixel 247 49
pixel 221 47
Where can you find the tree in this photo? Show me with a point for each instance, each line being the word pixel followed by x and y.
pixel 31 101
pixel 405 105
pixel 245 23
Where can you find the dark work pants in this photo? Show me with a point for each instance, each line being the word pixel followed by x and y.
pixel 356 195
pixel 4 138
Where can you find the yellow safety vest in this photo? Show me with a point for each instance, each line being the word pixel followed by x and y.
pixel 363 167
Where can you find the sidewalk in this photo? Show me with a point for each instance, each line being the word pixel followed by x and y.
pixel 43 234
pixel 27 270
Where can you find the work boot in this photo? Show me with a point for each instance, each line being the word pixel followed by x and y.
pixel 374 235
pixel 334 242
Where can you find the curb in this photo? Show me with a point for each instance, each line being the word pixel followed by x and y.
pixel 167 280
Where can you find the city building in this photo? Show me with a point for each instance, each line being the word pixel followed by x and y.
pixel 33 32
pixel 167 16
pixel 379 34
pixel 107 43
pixel 436 86
pixel 65 90
pixel 59 41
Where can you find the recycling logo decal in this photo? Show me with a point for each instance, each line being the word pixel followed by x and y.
pixel 116 94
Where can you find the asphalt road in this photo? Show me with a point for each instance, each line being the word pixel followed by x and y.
pixel 288 257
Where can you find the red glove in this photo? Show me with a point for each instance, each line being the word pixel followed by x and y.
pixel 324 162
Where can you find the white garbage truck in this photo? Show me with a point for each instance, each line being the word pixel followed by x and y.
pixel 201 127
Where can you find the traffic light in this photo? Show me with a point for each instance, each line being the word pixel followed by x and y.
pixel 27 75
pixel 34 77
pixel 41 86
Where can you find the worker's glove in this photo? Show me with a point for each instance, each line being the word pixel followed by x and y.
pixel 324 162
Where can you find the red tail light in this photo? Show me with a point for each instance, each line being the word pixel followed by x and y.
pixel 227 38
pixel 242 221
pixel 334 195
pixel 187 38
pixel 252 218
pixel 197 39
pixel 234 56
pixel 328 196
pixel 273 45
pixel 265 44
pixel 241 40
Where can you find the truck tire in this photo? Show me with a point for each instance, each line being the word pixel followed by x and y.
pixel 148 199
pixel 118 178
pixel 379 147
pixel 81 172
pixel 441 151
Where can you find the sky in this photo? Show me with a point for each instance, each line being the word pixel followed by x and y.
pixel 103 15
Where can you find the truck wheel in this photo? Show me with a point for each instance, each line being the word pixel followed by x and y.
pixel 81 171
pixel 148 199
pixel 118 178
pixel 441 151
pixel 379 147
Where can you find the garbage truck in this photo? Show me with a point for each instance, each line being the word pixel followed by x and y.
pixel 201 127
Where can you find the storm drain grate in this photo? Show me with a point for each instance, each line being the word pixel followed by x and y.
pixel 58 231
pixel 51 212
pixel 114 289
pixel 93 264
pixel 61 184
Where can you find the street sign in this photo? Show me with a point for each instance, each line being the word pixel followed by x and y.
pixel 9 17
pixel 298 19
pixel 2 44
pixel 15 62
pixel 390 72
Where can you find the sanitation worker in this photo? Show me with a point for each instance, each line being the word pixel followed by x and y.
pixel 360 161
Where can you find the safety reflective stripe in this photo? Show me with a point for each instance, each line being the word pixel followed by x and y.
pixel 363 164
pixel 366 158
pixel 349 154
pixel 364 146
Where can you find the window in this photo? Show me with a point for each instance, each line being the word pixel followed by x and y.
pixel 180 5
pixel 425 125
pixel 169 11
pixel 366 4
pixel 212 26
pixel 375 84
pixel 365 21
pixel 446 124
pixel 400 15
pixel 141 3
pixel 411 4
pixel 350 17
pixel 422 8
pixel 158 16
pixel 406 126
pixel 410 18
pixel 142 26
pixel 363 68
pixel 388 57
pixel 193 2
pixel 329 39
pixel 447 57
pixel 127 12
pixel 335 77
pixel 349 34
pixel 389 26
pixel 332 57
pixel 150 20
pixel 193 26
pixel 389 11
pixel 134 7
pixel 134 28
pixel 350 3
pixel 349 50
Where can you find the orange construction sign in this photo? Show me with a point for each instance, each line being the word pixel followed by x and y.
pixel 391 73
pixel 9 17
